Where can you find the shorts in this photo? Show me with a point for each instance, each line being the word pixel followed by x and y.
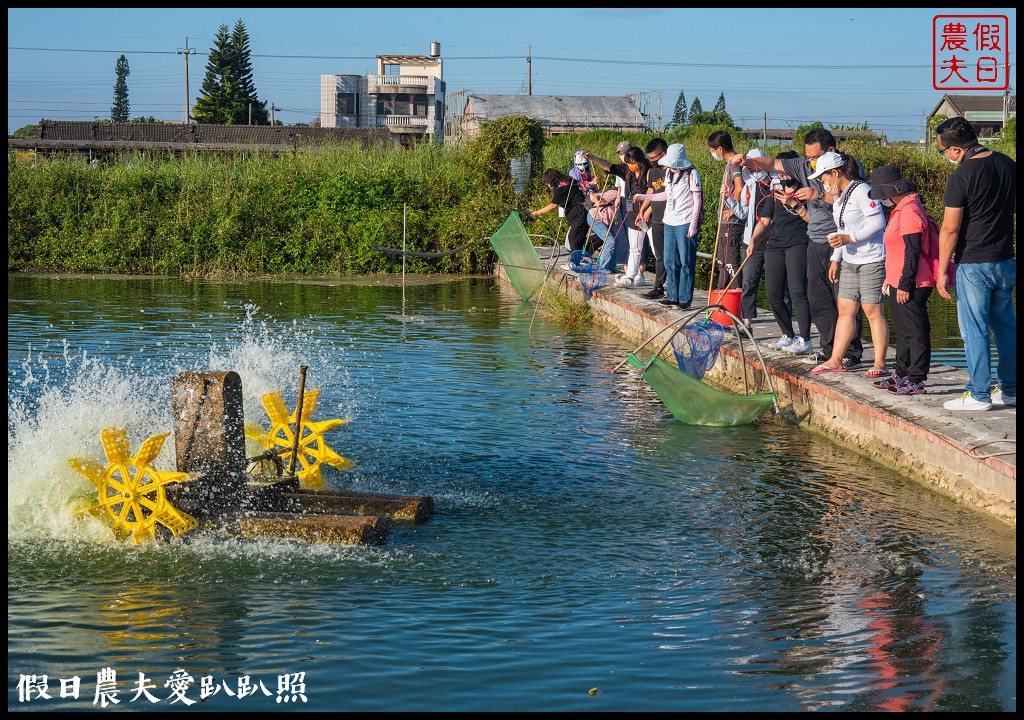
pixel 862 283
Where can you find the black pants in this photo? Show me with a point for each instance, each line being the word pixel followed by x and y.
pixel 578 227
pixel 658 241
pixel 753 269
pixel 785 273
pixel 823 297
pixel 913 334
pixel 730 246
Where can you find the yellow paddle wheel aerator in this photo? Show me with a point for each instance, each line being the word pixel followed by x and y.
pixel 313 451
pixel 131 492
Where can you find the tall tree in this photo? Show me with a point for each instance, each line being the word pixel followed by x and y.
pixel 243 72
pixel 121 110
pixel 213 105
pixel 679 113
pixel 228 89
pixel 720 105
pixel 695 108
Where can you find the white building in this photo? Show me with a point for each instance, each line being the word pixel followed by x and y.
pixel 406 96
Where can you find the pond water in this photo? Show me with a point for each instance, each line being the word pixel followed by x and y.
pixel 588 552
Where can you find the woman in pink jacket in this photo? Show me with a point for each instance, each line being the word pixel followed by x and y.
pixel 908 278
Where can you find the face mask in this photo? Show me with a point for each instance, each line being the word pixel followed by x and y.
pixel 716 156
pixel 829 188
pixel 955 162
pixel 761 175
pixel 886 202
pixel 633 168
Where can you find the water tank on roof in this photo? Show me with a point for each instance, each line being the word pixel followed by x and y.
pixel 435 49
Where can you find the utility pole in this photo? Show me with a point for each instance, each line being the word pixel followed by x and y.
pixel 272 114
pixel 765 137
pixel 529 61
pixel 186 52
pixel 250 113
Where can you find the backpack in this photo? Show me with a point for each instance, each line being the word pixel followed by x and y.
pixel 930 252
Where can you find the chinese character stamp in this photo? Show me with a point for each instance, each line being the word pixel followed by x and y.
pixel 970 52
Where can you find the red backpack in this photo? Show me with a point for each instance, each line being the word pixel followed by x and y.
pixel 930 251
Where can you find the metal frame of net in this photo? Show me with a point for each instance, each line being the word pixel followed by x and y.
pixel 696 347
pixel 518 256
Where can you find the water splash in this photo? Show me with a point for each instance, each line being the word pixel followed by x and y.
pixel 59 399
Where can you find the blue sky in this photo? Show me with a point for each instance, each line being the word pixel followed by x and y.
pixel 837 66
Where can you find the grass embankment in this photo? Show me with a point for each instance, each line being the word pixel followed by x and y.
pixel 317 213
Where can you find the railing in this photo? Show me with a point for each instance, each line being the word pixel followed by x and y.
pixel 403 120
pixel 421 81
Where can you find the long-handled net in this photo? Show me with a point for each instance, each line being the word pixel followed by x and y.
pixel 518 256
pixel 696 347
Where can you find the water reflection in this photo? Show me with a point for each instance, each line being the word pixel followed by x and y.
pixel 583 537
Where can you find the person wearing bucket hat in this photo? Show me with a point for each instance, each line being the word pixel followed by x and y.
pixel 822 293
pixel 979 230
pixel 683 210
pixel 909 236
pixel 858 260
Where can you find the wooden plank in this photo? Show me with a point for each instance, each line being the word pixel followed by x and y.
pixel 323 529
pixel 340 502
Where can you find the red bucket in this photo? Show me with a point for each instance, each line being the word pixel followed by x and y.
pixel 730 300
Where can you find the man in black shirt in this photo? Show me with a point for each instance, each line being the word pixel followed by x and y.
pixel 977 232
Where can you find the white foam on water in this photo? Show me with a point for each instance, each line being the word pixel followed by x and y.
pixel 58 404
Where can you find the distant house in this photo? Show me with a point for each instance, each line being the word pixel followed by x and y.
pixel 558 114
pixel 985 112
pixel 406 96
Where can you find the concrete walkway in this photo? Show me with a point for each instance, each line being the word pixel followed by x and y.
pixel 968 455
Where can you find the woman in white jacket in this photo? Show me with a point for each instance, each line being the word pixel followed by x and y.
pixel 858 259
pixel 683 198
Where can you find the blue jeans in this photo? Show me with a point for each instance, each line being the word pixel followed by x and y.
pixel 984 302
pixel 605 236
pixel 680 263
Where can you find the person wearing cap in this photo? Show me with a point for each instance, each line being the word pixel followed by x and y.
pixel 978 228
pixel 822 294
pixel 858 260
pixel 908 278
pixel 683 209
pixel 581 172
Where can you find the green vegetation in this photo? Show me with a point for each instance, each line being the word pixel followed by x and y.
pixel 322 213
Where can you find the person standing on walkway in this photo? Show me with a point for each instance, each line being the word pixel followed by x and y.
pixel 567 196
pixel 683 212
pixel 784 221
pixel 978 232
pixel 756 194
pixel 822 293
pixel 634 173
pixel 730 230
pixel 858 260
pixel 656 218
pixel 909 235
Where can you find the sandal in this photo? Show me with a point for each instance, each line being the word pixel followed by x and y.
pixel 877 372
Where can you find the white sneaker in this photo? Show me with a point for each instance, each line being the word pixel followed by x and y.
pixel 798 346
pixel 640 280
pixel 1001 398
pixel 966 402
pixel 567 267
pixel 781 342
pixel 623 281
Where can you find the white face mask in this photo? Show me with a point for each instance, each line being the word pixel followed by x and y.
pixel 955 162
pixel 830 189
pixel 716 156
pixel 760 175
pixel 886 202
